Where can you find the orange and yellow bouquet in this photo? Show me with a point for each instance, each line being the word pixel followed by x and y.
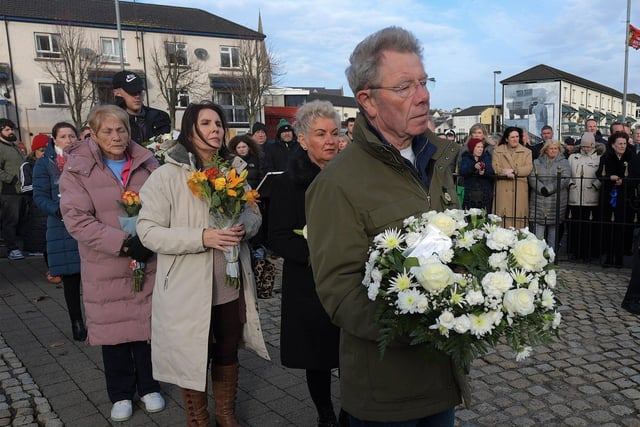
pixel 130 203
pixel 226 193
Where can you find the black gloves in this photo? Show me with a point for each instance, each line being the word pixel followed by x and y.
pixel 544 191
pixel 133 247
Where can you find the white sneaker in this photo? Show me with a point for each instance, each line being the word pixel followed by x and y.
pixel 153 402
pixel 15 254
pixel 121 410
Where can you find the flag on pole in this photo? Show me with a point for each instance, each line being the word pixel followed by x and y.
pixel 634 37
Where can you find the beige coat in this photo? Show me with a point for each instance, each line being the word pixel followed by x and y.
pixel 512 196
pixel 171 223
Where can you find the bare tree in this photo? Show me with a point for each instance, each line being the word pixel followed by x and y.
pixel 258 68
pixel 73 69
pixel 177 72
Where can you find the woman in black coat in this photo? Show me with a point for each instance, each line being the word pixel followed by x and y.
pixel 479 178
pixel 308 338
pixel 616 195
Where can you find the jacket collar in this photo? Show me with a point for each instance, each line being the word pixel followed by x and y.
pixel 82 156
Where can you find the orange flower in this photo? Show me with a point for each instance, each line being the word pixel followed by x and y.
pixel 194 182
pixel 234 180
pixel 251 196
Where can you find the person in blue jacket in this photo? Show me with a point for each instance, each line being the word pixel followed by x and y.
pixel 62 249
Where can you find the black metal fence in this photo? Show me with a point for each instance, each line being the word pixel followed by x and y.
pixel 601 231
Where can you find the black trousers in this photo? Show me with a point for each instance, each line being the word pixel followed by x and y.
pixel 127 369
pixel 225 333
pixel 71 285
pixel 11 207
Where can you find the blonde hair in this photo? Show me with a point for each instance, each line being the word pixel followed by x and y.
pixel 99 113
pixel 548 144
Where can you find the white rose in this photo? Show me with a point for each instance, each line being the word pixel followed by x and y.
pixel 475 212
pixel 412 239
pixel 497 283
pixel 534 286
pixel 444 223
pixel 529 254
pixel 519 301
pixel 433 275
pixel 500 239
pixel 462 324
pixel 446 319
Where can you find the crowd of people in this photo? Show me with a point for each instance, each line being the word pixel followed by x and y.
pixel 183 320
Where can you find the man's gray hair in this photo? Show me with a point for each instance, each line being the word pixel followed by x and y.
pixel 310 112
pixel 365 59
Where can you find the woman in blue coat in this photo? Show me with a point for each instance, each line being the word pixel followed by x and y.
pixel 62 249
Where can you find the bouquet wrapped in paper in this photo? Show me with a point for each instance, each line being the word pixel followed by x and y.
pixel 226 193
pixel 459 282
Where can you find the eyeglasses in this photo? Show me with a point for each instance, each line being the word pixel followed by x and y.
pixel 408 89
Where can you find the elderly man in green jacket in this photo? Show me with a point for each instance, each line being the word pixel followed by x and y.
pixel 395 167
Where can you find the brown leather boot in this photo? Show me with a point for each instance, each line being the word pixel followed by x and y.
pixel 225 383
pixel 195 407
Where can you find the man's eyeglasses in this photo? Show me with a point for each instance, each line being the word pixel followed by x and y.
pixel 408 89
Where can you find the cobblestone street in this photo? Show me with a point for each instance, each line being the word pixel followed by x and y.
pixel 591 377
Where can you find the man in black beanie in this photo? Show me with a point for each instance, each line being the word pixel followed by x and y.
pixel 259 134
pixel 146 122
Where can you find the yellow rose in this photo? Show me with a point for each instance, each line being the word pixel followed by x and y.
pixel 220 183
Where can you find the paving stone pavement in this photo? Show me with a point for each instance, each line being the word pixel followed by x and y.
pixel 590 377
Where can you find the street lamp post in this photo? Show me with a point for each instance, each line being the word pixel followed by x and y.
pixel 495 124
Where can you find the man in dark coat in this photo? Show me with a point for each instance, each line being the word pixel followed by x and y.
pixel 146 122
pixel 276 154
pixel 11 200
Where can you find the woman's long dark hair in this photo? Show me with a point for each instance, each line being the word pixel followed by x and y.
pixel 254 148
pixel 507 131
pixel 190 124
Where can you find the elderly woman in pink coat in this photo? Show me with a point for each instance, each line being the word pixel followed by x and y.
pixel 96 173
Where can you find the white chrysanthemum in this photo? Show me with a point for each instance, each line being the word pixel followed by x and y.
pixel 501 239
pixel 409 221
pixel 521 277
pixel 372 291
pixel 401 282
pixel 433 275
pixel 494 218
pixel 474 297
pixel 389 239
pixel 519 301
pixel 446 256
pixel 466 240
pixel 551 278
pixel 529 254
pixel 475 212
pixel 462 324
pixel 551 254
pixel 496 283
pixel 498 261
pixel 444 223
pixel 557 318
pixel 376 275
pixel 410 301
pixel 480 324
pixel 523 353
pixel 548 299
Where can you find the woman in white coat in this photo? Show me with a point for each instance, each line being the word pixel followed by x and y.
pixel 196 316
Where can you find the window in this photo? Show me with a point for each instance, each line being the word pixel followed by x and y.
pixel 176 53
pixel 47 45
pixel 229 57
pixel 52 94
pixel 234 113
pixel 111 49
pixel 182 99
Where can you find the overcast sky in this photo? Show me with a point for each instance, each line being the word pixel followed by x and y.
pixel 464 40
